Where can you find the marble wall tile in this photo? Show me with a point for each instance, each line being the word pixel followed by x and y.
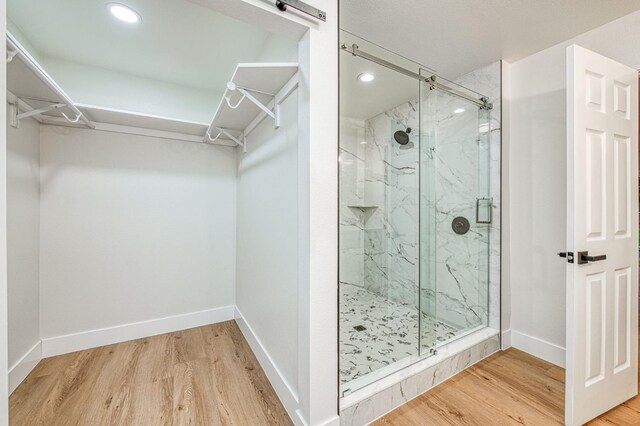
pixel 379 243
pixel 352 169
pixel 487 81
pixel 391 182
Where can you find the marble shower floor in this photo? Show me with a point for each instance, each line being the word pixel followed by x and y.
pixel 391 332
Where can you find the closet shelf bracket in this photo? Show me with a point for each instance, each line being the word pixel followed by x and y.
pixel 254 92
pixel 11 54
pixel 222 132
pixel 38 111
pixel 246 93
pixel 30 72
pixel 242 143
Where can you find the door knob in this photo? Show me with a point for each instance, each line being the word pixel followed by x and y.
pixel 583 257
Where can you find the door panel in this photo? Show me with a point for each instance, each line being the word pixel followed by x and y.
pixel 621 335
pixel 595 190
pixel 602 219
pixel 596 297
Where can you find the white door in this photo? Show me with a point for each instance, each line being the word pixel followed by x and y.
pixel 602 205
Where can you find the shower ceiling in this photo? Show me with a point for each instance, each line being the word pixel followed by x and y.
pixel 363 100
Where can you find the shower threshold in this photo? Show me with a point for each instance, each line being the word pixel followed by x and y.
pixel 415 376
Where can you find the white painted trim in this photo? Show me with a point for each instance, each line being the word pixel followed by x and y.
pixel 287 396
pixel 547 351
pixel 4 397
pixel 333 421
pixel 505 206
pixel 21 369
pixel 59 345
pixel 506 339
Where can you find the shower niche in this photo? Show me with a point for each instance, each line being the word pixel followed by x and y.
pixel 417 153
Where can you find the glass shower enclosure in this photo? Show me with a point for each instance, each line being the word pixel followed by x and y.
pixel 414 212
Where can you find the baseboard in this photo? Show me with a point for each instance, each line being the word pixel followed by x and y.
pixel 19 371
pixel 506 339
pixel 547 351
pixel 59 345
pixel 286 394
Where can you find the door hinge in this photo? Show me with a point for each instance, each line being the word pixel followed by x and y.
pixel 568 255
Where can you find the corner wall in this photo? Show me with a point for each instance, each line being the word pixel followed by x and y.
pixel 267 248
pixel 23 248
pixel 137 236
pixel 538 204
pixel 537 185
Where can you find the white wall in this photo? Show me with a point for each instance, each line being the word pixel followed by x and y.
pixel 537 184
pixel 267 244
pixel 278 49
pixel 23 239
pixel 318 196
pixel 617 39
pixel 133 228
pixel 537 191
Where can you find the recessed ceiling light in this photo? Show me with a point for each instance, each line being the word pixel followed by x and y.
pixel 366 77
pixel 124 13
pixel 458 110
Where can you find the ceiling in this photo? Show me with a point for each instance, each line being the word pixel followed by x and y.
pixel 178 42
pixel 360 100
pixel 455 37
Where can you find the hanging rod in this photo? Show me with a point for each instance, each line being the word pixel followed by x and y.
pixel 432 80
pixel 16 49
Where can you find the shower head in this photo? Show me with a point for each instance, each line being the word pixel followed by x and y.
pixel 402 136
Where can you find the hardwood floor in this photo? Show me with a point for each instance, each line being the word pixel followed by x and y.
pixel 508 388
pixel 202 376
pixel 209 376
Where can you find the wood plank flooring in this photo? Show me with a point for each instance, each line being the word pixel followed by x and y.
pixel 508 388
pixel 202 376
pixel 209 376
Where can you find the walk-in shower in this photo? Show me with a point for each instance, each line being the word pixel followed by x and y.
pixel 415 212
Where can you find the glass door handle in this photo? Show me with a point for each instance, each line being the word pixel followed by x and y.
pixel 488 205
pixel 583 257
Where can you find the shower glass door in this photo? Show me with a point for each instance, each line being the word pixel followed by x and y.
pixel 379 213
pixel 455 212
pixel 414 207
